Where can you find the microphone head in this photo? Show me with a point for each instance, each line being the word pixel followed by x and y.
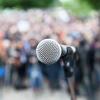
pixel 48 51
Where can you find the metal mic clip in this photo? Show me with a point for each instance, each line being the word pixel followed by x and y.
pixel 69 62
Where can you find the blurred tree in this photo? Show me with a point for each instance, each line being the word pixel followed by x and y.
pixel 25 3
pixel 77 7
pixel 94 3
pixel 81 7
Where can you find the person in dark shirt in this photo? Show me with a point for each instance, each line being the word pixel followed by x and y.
pixel 93 59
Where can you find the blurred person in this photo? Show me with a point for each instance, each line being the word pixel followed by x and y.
pixel 21 73
pixel 35 72
pixel 2 59
pixel 79 67
pixel 17 36
pixel 32 43
pixel 94 66
pixel 36 76
pixel 53 73
pixel 78 74
pixel 20 66
pixel 6 44
pixel 81 63
pixel 11 54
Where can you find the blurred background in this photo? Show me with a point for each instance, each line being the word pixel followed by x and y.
pixel 23 24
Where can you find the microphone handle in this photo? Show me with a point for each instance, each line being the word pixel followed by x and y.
pixel 71 87
pixel 69 61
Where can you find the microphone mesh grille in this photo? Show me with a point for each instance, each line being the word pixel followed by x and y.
pixel 48 51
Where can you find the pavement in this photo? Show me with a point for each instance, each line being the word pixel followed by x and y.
pixel 12 94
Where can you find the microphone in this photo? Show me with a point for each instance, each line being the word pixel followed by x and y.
pixel 49 51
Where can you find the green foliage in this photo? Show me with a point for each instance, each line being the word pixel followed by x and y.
pixel 95 4
pixel 81 7
pixel 78 7
pixel 25 3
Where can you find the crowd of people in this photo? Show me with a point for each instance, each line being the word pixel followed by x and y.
pixel 21 31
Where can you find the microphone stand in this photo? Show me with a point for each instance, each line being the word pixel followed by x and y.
pixel 71 87
pixel 69 61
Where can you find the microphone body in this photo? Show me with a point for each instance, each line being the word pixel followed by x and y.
pixel 49 51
